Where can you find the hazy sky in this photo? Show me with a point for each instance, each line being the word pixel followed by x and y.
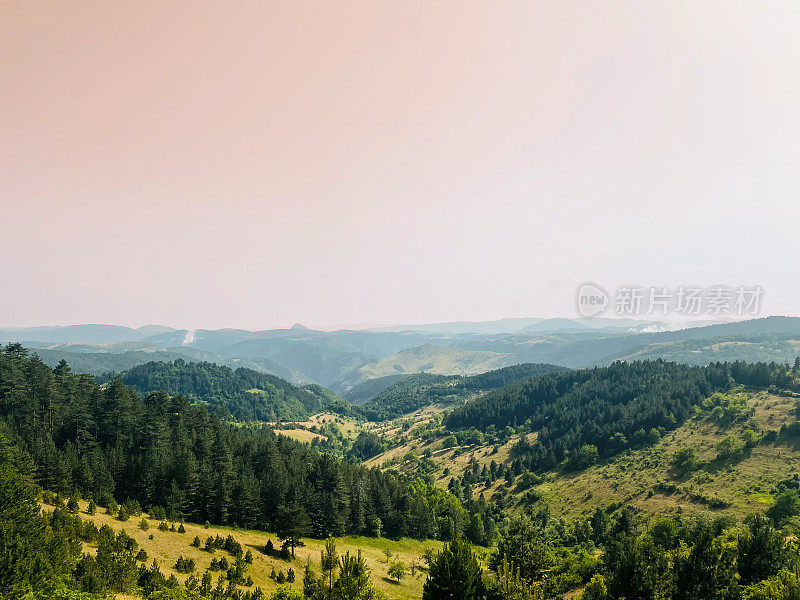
pixel 253 164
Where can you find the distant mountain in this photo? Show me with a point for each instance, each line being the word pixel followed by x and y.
pixel 89 334
pixel 554 325
pixel 369 389
pixel 243 394
pixel 412 392
pixel 750 348
pixel 525 324
pixel 98 363
pixel 346 358
pixel 427 358
pixel 605 350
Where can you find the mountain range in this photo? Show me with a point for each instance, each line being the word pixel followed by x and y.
pixel 345 359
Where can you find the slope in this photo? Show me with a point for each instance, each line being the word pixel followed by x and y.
pixel 243 394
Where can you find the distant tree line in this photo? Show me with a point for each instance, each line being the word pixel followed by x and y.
pixel 243 394
pixel 581 416
pixel 413 392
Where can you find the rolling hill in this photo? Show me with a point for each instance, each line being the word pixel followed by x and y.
pixel 243 394
pixel 427 358
pixel 412 392
pixel 603 438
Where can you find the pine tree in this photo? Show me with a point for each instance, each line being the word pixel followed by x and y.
pixel 454 573
pixel 329 562
pixel 292 523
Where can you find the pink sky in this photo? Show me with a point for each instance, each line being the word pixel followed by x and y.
pixel 253 164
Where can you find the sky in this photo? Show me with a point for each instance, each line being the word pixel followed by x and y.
pixel 255 164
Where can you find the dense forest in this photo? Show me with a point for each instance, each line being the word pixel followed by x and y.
pixel 590 413
pixel 161 451
pixel 244 394
pixel 67 436
pixel 413 392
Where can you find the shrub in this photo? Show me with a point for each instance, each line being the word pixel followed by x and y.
pixel 596 589
pixel 729 447
pixel 685 460
pixel 786 505
pixel 583 458
pixel 133 507
pixel 73 504
pixel 184 565
pixel 449 442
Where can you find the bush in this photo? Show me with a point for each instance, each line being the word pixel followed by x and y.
pixel 133 507
pixel 184 565
pixel 123 514
pixel 449 442
pixel 786 505
pixel 583 458
pixel 163 526
pixel 181 528
pixel 596 589
pixel 196 541
pixel 685 460
pixel 730 447
pixel 144 525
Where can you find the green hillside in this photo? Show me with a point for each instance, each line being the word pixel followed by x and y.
pixel 244 394
pixel 428 358
pixel 413 392
pixel 750 348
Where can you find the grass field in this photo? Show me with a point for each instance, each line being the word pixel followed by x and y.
pixel 744 483
pixel 167 546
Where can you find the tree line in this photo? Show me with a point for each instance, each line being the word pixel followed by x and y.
pixel 583 415
pixel 242 394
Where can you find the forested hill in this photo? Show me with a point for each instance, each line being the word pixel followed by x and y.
pixel 413 392
pixel 162 452
pixel 580 415
pixel 243 394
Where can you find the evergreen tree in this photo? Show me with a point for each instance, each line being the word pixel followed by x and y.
pixel 292 523
pixel 454 573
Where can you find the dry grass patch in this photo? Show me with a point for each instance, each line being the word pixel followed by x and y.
pixel 167 546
